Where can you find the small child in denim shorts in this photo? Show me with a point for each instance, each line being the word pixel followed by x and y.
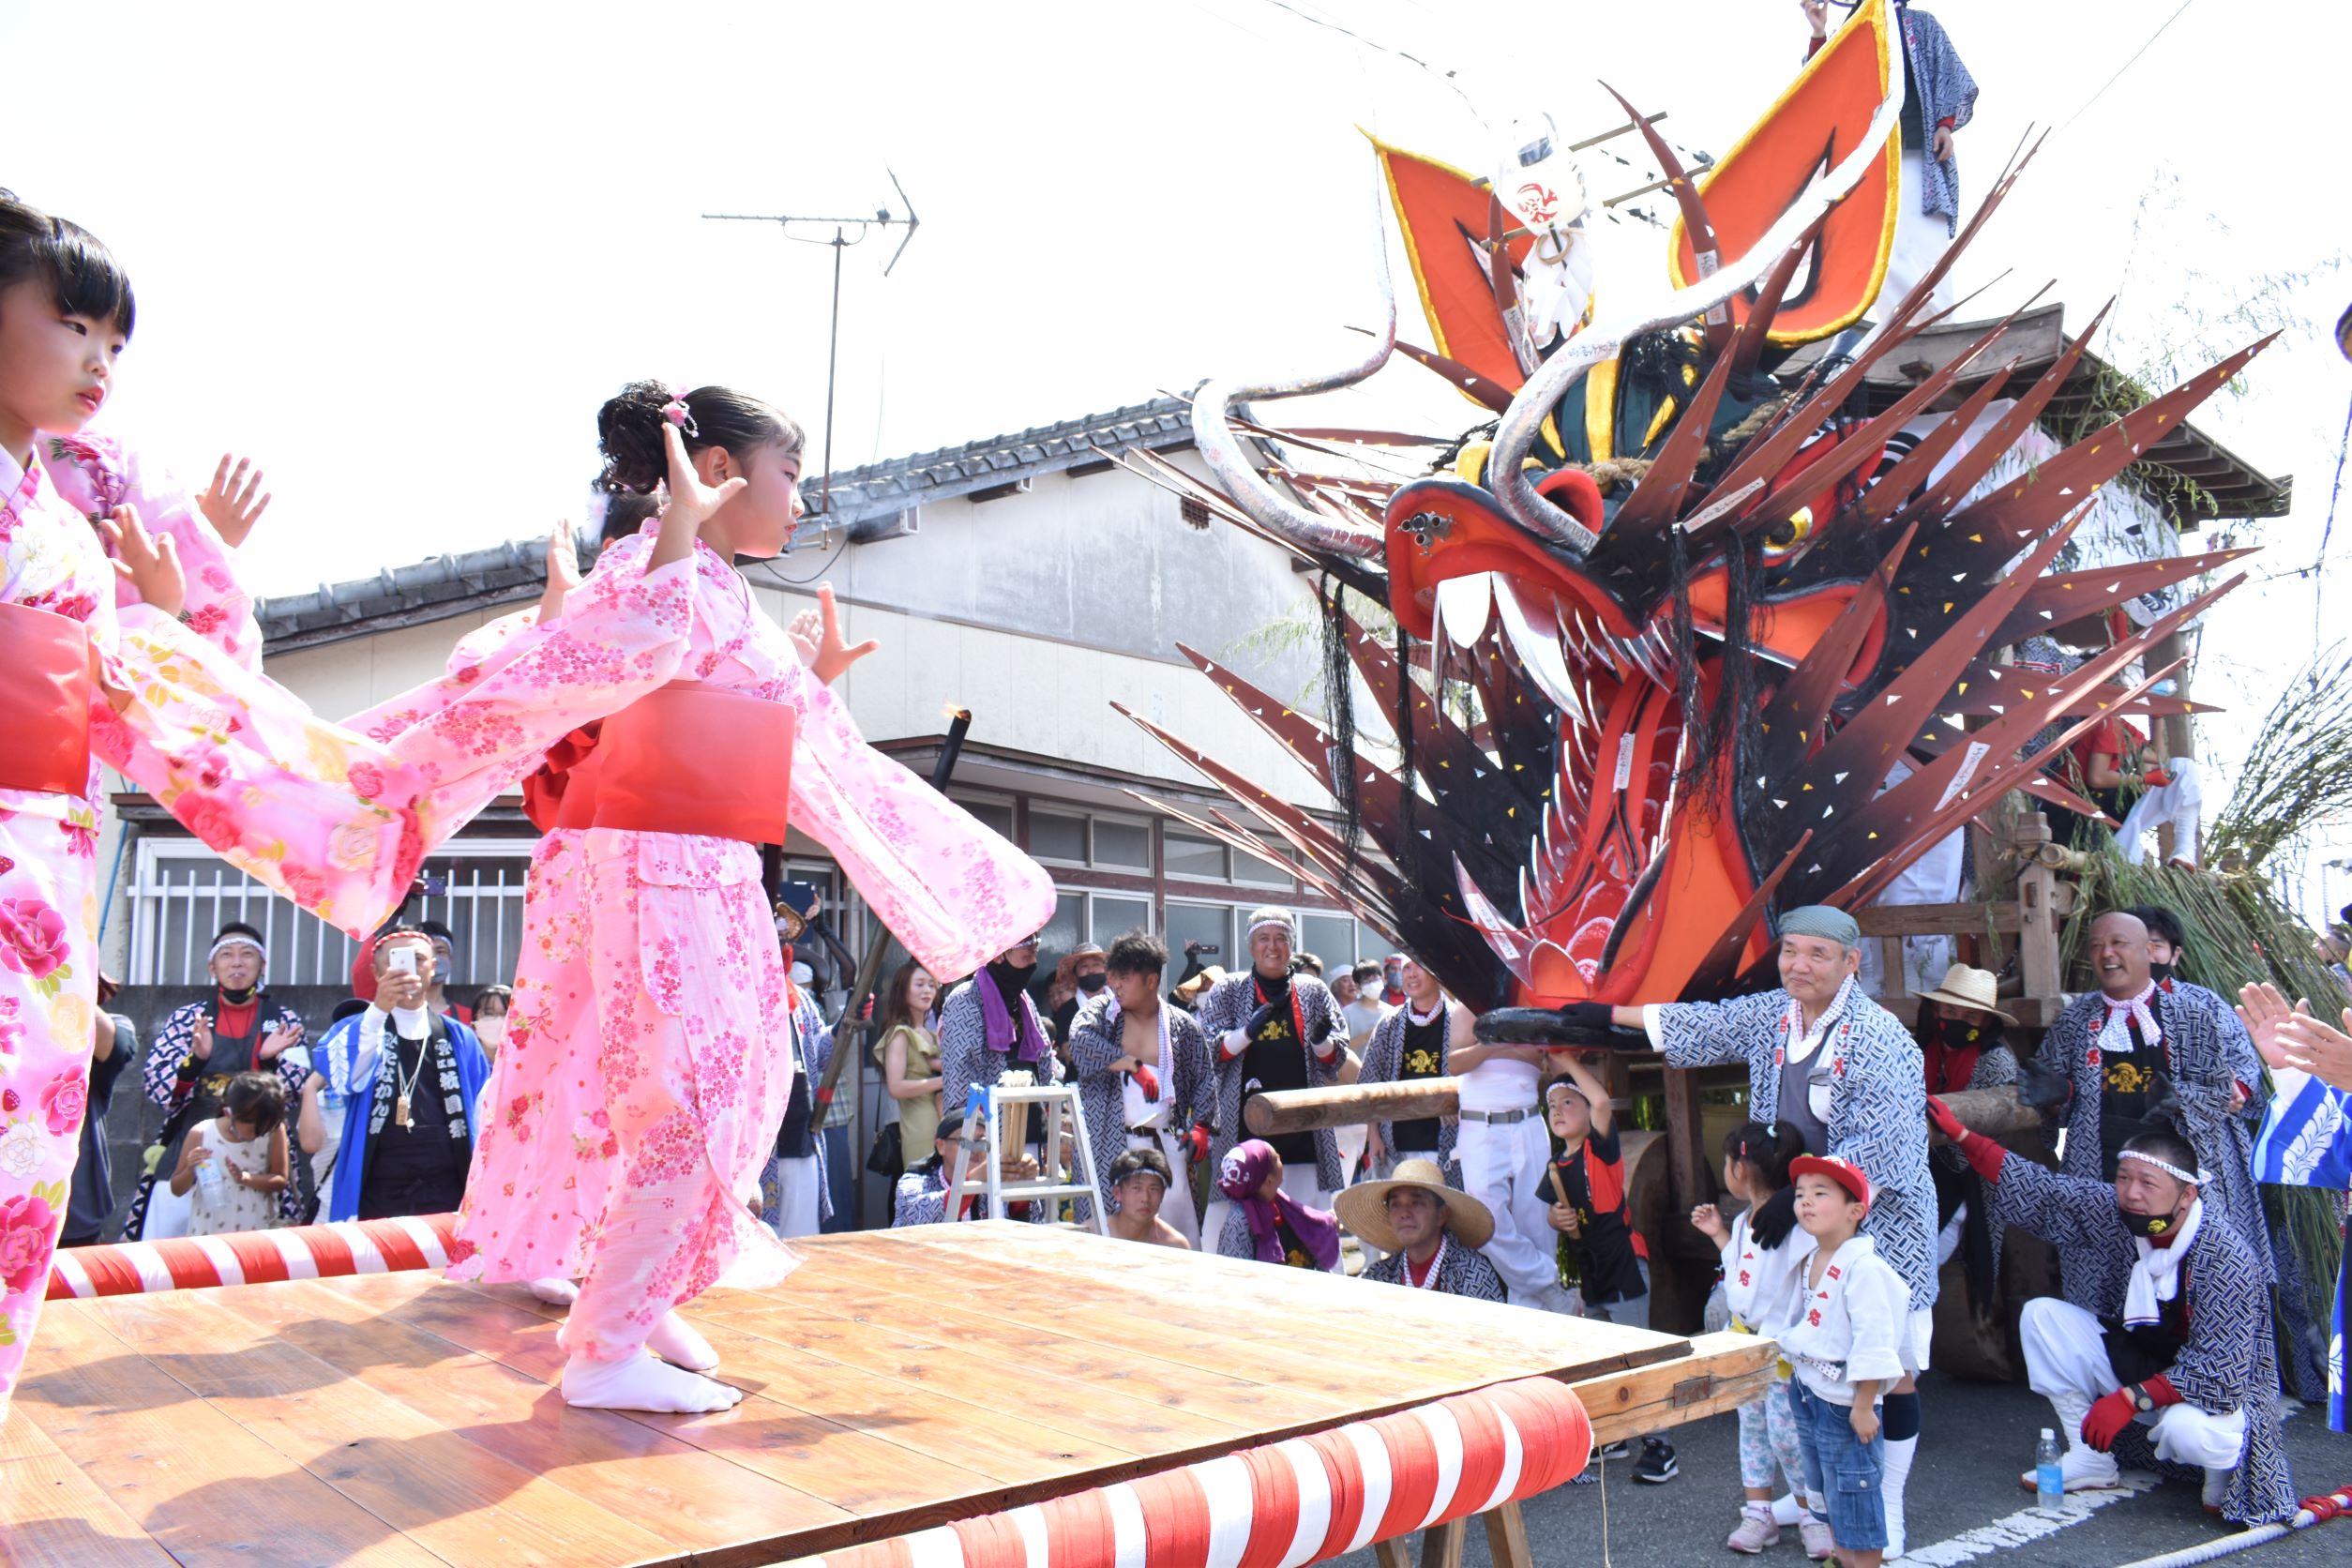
pixel 1845 1343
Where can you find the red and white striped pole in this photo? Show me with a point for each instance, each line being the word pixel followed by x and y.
pixel 254 1257
pixel 1288 1503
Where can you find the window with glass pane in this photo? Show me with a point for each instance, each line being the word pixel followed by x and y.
pixel 1330 937
pixel 1114 917
pixel 1190 854
pixel 994 815
pixel 1054 837
pixel 1064 932
pixel 1247 867
pixel 1210 925
pixel 1125 845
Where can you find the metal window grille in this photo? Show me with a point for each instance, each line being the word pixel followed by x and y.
pixel 184 894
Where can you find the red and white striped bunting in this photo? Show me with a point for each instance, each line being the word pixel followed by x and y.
pixel 1286 1504
pixel 254 1257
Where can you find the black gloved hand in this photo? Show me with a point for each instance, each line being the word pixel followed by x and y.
pixel 1269 1022
pixel 2043 1089
pixel 1585 1024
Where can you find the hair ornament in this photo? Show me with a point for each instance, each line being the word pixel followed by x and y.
pixel 678 413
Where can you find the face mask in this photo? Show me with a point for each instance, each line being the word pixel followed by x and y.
pixel 490 1032
pixel 1011 977
pixel 1957 1035
pixel 2152 1227
pixel 443 969
pixel 2160 972
pixel 1090 984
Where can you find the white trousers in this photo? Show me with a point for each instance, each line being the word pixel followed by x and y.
pixel 1176 1208
pixel 1921 239
pixel 799 1206
pixel 1302 1184
pixel 1503 1167
pixel 2181 803
pixel 2066 1363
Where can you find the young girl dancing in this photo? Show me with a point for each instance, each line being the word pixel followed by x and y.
pixel 688 775
pixel 295 803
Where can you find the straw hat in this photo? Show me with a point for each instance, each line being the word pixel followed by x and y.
pixel 1198 983
pixel 1363 1208
pixel 1974 989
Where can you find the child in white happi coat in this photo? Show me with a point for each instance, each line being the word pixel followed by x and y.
pixel 1845 1341
pixel 1763 1249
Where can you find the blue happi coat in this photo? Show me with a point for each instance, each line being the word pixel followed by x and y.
pixel 2306 1140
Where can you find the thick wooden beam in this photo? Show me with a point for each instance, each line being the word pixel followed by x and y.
pixel 1723 1372
pixel 1937 920
pixel 1302 1110
pixel 1994 1112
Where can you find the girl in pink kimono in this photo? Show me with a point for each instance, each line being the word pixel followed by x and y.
pixel 314 812
pixel 693 766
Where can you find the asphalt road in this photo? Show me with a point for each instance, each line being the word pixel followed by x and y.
pixel 1964 1492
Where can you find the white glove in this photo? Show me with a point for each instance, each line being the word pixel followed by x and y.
pixel 1235 1042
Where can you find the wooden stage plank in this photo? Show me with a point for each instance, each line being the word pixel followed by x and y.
pixel 58 1517
pixel 605 1457
pixel 203 1488
pixel 455 1497
pixel 897 1381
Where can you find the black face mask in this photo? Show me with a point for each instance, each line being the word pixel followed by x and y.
pixel 1090 984
pixel 237 997
pixel 1954 1035
pixel 2152 1227
pixel 2160 972
pixel 1010 978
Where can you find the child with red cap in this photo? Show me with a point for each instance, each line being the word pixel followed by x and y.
pixel 1845 1344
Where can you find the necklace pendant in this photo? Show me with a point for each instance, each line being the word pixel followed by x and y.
pixel 399 1112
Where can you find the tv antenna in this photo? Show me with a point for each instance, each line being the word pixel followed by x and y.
pixel 846 232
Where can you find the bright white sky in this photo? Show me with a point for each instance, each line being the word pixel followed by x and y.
pixel 400 254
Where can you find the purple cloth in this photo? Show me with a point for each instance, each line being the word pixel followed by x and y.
pixel 1243 1174
pixel 1002 1033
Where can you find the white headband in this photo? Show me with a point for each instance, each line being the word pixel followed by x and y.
pixel 1282 920
pixel 237 938
pixel 2197 1180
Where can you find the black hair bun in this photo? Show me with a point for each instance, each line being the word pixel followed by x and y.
pixel 628 432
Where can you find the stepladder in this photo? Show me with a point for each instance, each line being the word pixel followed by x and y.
pixel 1004 1108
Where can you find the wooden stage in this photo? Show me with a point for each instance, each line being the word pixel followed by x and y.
pixel 898 1379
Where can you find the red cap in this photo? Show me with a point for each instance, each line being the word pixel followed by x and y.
pixel 1844 1172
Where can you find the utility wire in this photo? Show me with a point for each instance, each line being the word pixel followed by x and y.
pixel 2127 64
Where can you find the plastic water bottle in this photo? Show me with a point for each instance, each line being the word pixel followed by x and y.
pixel 2049 1481
pixel 211 1182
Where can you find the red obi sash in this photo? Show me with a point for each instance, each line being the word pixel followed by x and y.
pixel 44 701
pixel 685 757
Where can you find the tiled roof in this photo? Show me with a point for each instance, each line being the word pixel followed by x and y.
pixel 511 573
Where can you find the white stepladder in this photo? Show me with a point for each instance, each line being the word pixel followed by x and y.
pixel 1017 1093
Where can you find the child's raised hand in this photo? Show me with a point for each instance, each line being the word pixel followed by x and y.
pixel 150 565
pixel 816 633
pixel 692 504
pixel 1708 1219
pixel 563 570
pixel 234 502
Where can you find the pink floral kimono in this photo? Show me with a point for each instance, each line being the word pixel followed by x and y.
pixel 291 800
pixel 691 1038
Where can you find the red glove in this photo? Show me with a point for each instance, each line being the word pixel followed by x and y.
pixel 1198 1139
pixel 1148 1079
pixel 2107 1419
pixel 1982 1152
pixel 2155 779
pixel 2161 1391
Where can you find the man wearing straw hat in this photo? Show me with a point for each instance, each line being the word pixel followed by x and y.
pixel 1429 1232
pixel 1962 1046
